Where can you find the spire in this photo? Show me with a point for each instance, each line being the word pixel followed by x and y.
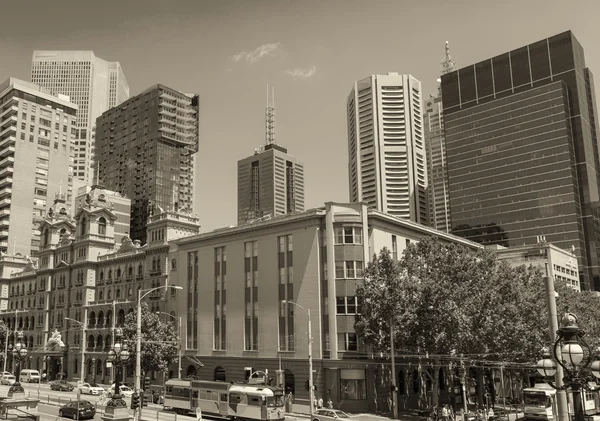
pixel 270 118
pixel 447 66
pixel 447 62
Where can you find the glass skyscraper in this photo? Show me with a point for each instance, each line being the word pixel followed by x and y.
pixel 522 150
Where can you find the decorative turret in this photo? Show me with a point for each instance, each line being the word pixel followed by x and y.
pixel 447 66
pixel 58 225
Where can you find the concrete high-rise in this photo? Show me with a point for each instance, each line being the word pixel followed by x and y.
pixel 433 119
pixel 35 160
pixel 522 150
pixel 270 183
pixel 386 151
pixel 145 151
pixel 95 85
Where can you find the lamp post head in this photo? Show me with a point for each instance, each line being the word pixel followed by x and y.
pixel 546 366
pixel 118 333
pixel 20 335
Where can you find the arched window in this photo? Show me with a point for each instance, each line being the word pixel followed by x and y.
pixel 110 274
pixel 130 272
pixel 173 264
pixel 118 293
pixel 119 273
pixel 140 270
pixel 102 226
pixel 101 295
pixel 99 367
pixel 102 276
pixel 83 225
pixel 62 233
pixel 46 237
pixel 153 265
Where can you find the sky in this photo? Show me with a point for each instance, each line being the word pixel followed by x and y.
pixel 310 51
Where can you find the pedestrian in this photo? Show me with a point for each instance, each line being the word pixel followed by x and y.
pixel 329 403
pixel 320 403
pixel 444 413
pixel 315 402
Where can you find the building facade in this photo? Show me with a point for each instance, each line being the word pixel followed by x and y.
pixel 387 158
pixel 95 85
pixel 555 262
pixel 433 120
pixel 236 279
pixel 82 275
pixel 145 150
pixel 270 182
pixel 121 209
pixel 36 137
pixel 522 150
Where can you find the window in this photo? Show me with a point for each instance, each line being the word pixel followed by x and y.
pixel 251 296
pixel 347 305
pixel 353 385
pixel 220 323
pixel 102 226
pixel 349 269
pixel 348 235
pixel 394 248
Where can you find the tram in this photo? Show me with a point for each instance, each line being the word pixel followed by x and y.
pixel 234 401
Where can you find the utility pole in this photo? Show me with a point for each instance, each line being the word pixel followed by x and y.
pixel 561 395
pixel 463 374
pixel 180 349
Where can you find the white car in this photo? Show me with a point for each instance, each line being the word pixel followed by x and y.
pixel 125 391
pixel 8 379
pixel 91 389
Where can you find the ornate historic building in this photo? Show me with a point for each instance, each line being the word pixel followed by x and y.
pixel 82 279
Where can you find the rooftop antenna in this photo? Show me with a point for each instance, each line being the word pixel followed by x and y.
pixel 270 118
pixel 447 65
pixel 60 189
pixel 98 174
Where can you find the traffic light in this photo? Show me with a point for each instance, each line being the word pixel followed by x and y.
pixel 307 385
pixel 393 388
pixel 135 401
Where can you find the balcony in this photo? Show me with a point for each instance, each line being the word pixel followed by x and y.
pixel 6 190
pixel 7 181
pixel 3 232
pixel 5 211
pixel 168 103
pixel 10 111
pixel 167 95
pixel 165 128
pixel 6 171
pixel 7 141
pixel 163 111
pixel 6 201
pixel 7 151
pixel 9 160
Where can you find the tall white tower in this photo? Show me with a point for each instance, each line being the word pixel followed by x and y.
pixel 95 85
pixel 387 163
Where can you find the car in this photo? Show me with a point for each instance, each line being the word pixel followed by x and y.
pixel 61 385
pixel 8 379
pixel 329 415
pixel 85 408
pixel 5 373
pixel 125 391
pixel 91 389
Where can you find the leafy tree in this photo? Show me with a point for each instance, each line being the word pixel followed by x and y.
pixel 584 305
pixel 155 356
pixel 446 299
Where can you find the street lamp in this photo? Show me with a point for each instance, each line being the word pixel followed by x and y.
pixel 94 370
pixel 138 343
pixel 310 362
pixel 180 339
pixel 83 343
pixel 118 355
pixel 19 352
pixel 576 362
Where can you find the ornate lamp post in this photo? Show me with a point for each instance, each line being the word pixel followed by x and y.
pixel 19 352
pixel 576 362
pixel 118 355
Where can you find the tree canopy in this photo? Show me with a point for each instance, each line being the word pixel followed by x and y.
pixel 447 299
pixel 155 356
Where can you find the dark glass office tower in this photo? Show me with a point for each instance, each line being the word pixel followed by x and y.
pixel 522 150
pixel 145 150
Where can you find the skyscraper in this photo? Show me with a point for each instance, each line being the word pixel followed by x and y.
pixel 387 162
pixel 522 150
pixel 95 85
pixel 270 182
pixel 145 151
pixel 439 205
pixel 35 142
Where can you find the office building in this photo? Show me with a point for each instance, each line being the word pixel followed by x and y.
pixel 238 276
pixel 270 183
pixel 560 264
pixel 145 151
pixel 522 150
pixel 80 272
pixel 35 160
pixel 95 85
pixel 386 151
pixel 433 119
pixel 121 207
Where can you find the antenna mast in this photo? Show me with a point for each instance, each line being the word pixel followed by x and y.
pixel 270 118
pixel 447 66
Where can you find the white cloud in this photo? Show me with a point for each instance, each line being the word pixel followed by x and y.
pixel 302 73
pixel 258 53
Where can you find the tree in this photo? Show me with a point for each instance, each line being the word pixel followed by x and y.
pixel 446 300
pixel 155 356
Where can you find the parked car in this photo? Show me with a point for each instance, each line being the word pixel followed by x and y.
pixel 8 379
pixel 125 391
pixel 329 415
pixel 5 373
pixel 86 410
pixel 91 388
pixel 61 385
pixel 29 375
